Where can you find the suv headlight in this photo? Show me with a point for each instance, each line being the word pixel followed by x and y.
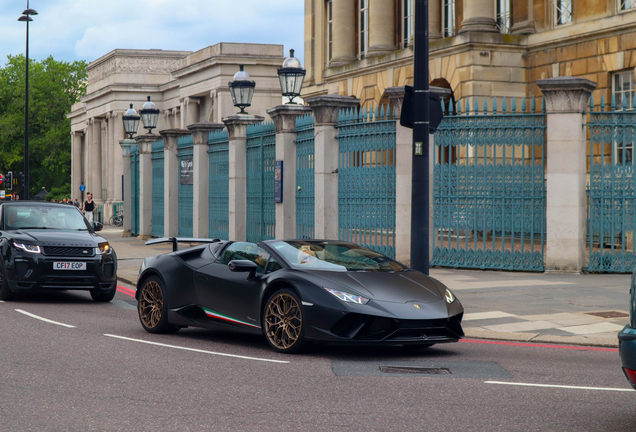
pixel 27 247
pixel 103 249
pixel 348 298
pixel 450 298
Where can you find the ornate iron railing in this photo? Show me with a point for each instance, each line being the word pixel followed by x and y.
pixel 489 187
pixel 261 153
pixel 305 212
pixel 185 153
pixel 612 218
pixel 134 189
pixel 219 197
pixel 366 179
pixel 157 189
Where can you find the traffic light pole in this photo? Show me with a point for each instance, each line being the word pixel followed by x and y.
pixel 420 178
pixel 26 117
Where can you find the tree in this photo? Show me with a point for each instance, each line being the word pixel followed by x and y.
pixel 54 86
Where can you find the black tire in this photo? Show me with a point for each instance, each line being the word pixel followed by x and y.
pixel 104 296
pixel 152 309
pixel 111 221
pixel 5 292
pixel 119 221
pixel 283 323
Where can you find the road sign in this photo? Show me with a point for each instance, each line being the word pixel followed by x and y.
pixel 82 188
pixel 2 194
pixel 1 179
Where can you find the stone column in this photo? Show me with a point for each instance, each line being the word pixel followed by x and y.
pixel 171 180
pixel 95 161
pixel 108 167
pixel 381 27
pixel 145 183
pixel 125 150
pixel 566 104
pixel 434 19
pixel 479 16
pixel 326 151
pixel 118 166
pixel 192 110
pixel 76 163
pixel 237 133
pixel 201 185
pixel 344 44
pixel 523 18
pixel 284 117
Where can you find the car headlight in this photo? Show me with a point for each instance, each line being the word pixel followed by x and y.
pixel 103 249
pixel 450 298
pixel 27 247
pixel 348 298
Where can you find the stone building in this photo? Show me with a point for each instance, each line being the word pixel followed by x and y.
pixel 477 47
pixel 188 87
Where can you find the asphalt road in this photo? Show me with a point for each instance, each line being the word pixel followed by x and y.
pixel 103 375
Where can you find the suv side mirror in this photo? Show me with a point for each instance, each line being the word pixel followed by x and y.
pixel 243 266
pixel 97 226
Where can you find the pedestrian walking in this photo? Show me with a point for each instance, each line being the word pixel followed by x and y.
pixel 89 207
pixel 76 203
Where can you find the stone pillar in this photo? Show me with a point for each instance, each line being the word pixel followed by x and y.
pixel 145 183
pixel 201 186
pixel 237 133
pixel 108 166
pixel 344 44
pixel 479 16
pixel 118 166
pixel 284 117
pixel 125 151
pixel 192 110
pixel 434 19
pixel 566 104
pixel 171 180
pixel 95 161
pixel 326 149
pixel 76 163
pixel 381 27
pixel 523 18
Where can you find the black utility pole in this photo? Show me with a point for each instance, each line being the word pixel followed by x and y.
pixel 420 181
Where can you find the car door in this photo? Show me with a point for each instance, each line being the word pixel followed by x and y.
pixel 232 296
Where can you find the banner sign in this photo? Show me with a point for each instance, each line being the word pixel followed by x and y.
pixel 187 171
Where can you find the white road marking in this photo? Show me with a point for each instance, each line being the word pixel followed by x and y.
pixel 196 350
pixel 559 386
pixel 44 319
pixel 486 315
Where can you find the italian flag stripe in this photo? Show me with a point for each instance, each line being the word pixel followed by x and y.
pixel 213 314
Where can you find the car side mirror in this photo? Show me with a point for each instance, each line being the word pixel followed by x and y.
pixel 243 266
pixel 97 226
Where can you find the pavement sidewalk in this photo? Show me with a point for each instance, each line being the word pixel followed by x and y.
pixel 587 309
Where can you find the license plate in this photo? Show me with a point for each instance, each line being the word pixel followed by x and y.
pixel 69 266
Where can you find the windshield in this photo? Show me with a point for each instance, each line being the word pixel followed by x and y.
pixel 43 217
pixel 334 256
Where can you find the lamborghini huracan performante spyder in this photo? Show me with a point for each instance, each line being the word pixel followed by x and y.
pixel 295 291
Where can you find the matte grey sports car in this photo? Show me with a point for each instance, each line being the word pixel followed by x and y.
pixel 295 291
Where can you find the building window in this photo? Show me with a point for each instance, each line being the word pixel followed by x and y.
pixel 408 15
pixel 503 16
pixel 330 29
pixel 626 4
pixel 364 27
pixel 448 18
pixel 623 89
pixel 562 11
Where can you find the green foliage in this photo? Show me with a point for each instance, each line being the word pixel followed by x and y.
pixel 59 193
pixel 54 86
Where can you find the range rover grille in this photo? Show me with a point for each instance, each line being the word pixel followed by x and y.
pixel 68 251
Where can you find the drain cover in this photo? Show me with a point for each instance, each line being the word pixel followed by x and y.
pixel 415 370
pixel 609 314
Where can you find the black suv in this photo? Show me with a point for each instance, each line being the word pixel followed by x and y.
pixel 49 246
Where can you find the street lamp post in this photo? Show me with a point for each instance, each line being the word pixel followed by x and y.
pixel 291 77
pixel 131 122
pixel 26 17
pixel 242 90
pixel 149 115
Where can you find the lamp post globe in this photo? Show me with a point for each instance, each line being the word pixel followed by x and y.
pixel 149 115
pixel 242 90
pixel 131 121
pixel 291 77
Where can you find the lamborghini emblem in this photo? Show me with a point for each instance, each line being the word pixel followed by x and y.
pixel 417 306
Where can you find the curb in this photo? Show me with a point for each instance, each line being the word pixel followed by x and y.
pixel 128 281
pixel 537 338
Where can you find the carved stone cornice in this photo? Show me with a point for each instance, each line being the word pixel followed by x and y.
pixel 125 147
pixel 326 107
pixel 237 124
pixel 201 131
pixel 566 94
pixel 284 116
pixel 138 64
pixel 145 142
pixel 171 136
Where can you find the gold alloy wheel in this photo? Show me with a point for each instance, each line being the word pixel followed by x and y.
pixel 151 304
pixel 283 321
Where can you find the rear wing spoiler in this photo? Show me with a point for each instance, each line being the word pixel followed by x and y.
pixel 176 240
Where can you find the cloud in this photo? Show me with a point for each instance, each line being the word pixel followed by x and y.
pixel 85 30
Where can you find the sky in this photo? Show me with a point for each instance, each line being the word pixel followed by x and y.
pixel 85 30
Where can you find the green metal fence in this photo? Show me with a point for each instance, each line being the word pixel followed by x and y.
pixel 612 218
pixel 157 189
pixel 219 196
pixel 489 187
pixel 366 179
pixel 305 212
pixel 185 152
pixel 261 153
pixel 134 188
